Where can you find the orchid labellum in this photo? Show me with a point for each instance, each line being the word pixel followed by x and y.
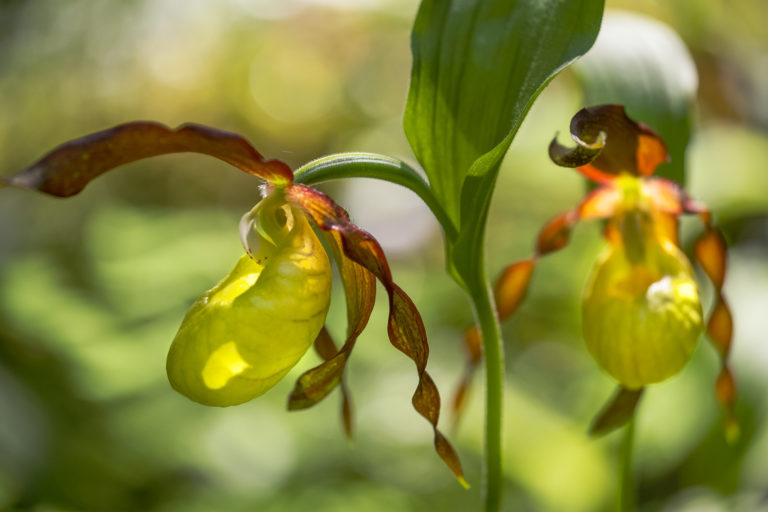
pixel 242 336
pixel 641 312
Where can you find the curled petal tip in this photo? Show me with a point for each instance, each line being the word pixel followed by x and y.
pixel 578 156
pixel 610 143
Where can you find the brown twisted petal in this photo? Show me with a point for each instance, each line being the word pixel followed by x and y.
pixel 321 382
pixel 710 251
pixel 600 203
pixel 360 291
pixel 556 233
pixel 67 169
pixel 405 327
pixel 609 143
pixel 512 286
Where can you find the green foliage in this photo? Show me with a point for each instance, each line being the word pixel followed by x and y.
pixel 477 68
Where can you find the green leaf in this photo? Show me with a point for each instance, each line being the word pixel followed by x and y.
pixel 477 68
pixel 644 65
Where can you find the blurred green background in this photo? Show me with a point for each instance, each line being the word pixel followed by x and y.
pixel 93 288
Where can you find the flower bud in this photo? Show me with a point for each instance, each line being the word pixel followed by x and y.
pixel 642 318
pixel 242 336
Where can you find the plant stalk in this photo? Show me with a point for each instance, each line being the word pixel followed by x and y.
pixel 626 502
pixel 487 319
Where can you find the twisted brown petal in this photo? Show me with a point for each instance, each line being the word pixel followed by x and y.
pixel 67 169
pixel 711 254
pixel 512 286
pixel 556 233
pixel 405 327
pixel 710 251
pixel 360 291
pixel 315 384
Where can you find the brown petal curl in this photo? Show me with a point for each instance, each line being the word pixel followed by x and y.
pixel 609 143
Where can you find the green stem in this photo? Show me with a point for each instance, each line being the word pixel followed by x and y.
pixel 627 483
pixel 371 165
pixel 494 375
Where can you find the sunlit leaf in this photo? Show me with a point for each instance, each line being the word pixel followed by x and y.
pixel 405 326
pixel 477 67
pixel 617 412
pixel 644 65
pixel 66 170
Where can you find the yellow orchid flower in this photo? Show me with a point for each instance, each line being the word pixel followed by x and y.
pixel 641 312
pixel 243 335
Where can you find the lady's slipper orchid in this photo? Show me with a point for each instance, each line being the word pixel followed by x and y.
pixel 242 336
pixel 641 311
